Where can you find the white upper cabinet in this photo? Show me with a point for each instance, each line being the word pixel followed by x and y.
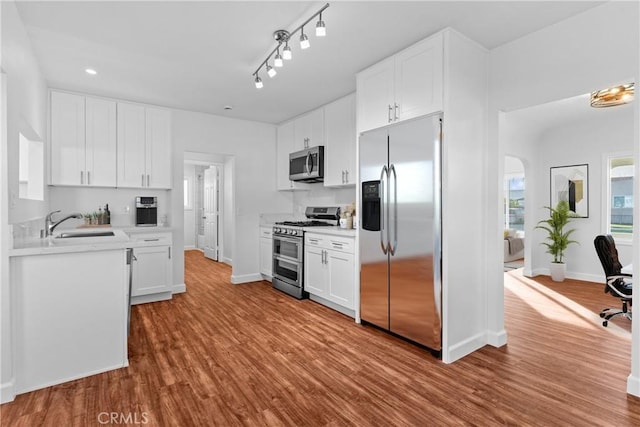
pixel 144 146
pixel 158 148
pixel 284 146
pixel 340 145
pixel 407 85
pixel 374 87
pixel 309 130
pixel 83 140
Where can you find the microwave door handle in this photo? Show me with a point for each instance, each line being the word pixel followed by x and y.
pixel 308 165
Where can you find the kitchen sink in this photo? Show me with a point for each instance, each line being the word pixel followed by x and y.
pixel 87 237
pixel 69 235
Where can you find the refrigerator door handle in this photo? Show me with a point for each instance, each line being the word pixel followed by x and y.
pixel 383 173
pixel 392 248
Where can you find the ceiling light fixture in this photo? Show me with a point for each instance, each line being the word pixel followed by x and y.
pixel 610 97
pixel 90 71
pixel 283 36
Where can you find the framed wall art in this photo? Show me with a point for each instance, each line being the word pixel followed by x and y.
pixel 571 183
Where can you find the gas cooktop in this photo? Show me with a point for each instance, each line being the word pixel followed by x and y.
pixel 305 223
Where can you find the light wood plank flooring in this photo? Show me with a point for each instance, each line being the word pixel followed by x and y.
pixel 228 355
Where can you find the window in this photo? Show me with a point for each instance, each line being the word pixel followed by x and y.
pixel 619 206
pixel 188 204
pixel 514 202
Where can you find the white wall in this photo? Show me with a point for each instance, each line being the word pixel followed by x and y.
pixel 572 57
pixel 26 100
pixel 252 147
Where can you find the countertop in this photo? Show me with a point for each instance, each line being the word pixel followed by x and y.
pixel 54 245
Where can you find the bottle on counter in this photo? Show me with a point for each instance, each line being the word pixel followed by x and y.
pixel 349 221
pixel 100 216
pixel 107 214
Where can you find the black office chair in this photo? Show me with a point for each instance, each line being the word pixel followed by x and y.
pixel 617 284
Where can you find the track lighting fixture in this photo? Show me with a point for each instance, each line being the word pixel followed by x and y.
pixel 283 36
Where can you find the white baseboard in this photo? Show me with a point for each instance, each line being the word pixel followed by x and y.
pixel 497 339
pixel 463 348
pixel 143 299
pixel 7 392
pixel 570 275
pixel 179 288
pixel 633 385
pixel 189 247
pixel 228 261
pixel 246 278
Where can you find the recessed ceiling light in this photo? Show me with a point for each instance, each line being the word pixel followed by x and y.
pixel 228 107
pixel 90 71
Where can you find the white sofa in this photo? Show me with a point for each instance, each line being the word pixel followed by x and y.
pixel 513 234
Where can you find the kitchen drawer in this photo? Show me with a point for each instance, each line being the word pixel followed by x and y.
pixel 152 239
pixel 266 232
pixel 325 241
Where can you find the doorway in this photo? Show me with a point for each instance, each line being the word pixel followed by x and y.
pixel 208 205
pixel 514 214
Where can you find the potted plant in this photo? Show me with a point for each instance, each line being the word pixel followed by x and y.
pixel 558 238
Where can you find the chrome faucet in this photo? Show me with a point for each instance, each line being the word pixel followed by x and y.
pixel 49 225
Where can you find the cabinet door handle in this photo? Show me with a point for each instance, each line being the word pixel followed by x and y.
pixel 147 180
pixel 151 240
pixel 343 177
pixel 169 252
pixel 389 114
pixel 346 177
pixel 322 257
pixel 395 111
pixel 81 177
pixel 88 177
pixel 142 176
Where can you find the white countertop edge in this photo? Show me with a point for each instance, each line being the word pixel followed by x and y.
pixel 333 231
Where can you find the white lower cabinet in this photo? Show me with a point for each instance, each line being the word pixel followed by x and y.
pixel 329 270
pixel 151 268
pixel 266 252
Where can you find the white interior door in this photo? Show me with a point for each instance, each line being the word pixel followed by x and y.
pixel 211 179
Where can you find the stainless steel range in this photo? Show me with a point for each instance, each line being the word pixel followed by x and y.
pixel 288 249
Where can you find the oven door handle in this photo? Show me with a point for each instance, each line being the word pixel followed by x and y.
pixel 288 239
pixel 286 259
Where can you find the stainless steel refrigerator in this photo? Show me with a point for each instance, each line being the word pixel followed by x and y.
pixel 400 229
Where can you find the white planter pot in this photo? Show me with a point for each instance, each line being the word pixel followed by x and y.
pixel 558 271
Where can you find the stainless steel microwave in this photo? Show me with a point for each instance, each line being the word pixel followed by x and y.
pixel 307 165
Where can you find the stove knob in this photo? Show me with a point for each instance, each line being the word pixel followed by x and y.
pixel 277 230
pixel 289 231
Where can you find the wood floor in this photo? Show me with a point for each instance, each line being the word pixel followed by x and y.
pixel 225 355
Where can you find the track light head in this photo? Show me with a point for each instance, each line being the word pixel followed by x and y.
pixel 304 40
pixel 277 60
pixel 271 71
pixel 321 30
pixel 286 52
pixel 258 82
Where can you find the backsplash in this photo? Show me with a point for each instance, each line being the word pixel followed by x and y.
pixel 322 196
pixel 122 203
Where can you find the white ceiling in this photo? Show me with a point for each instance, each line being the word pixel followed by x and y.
pixel 200 56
